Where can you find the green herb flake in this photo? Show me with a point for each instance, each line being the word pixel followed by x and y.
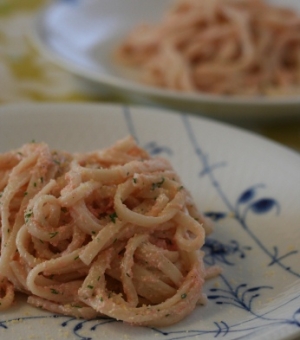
pixel 157 184
pixel 113 217
pixel 53 234
pixel 183 296
pixel 76 306
pixel 90 287
pixel 28 215
pixel 54 291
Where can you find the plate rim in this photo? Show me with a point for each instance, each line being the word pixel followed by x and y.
pixel 159 110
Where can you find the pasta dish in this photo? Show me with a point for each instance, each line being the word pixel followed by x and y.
pixel 228 47
pixel 111 232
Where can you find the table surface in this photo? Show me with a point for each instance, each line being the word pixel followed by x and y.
pixel 27 76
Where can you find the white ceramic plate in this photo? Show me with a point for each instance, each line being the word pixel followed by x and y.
pixel 249 185
pixel 81 35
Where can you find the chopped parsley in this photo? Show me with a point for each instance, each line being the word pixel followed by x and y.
pixel 53 234
pixel 113 217
pixel 76 306
pixel 28 215
pixel 157 184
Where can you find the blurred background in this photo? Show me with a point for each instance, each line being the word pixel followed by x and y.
pixel 28 76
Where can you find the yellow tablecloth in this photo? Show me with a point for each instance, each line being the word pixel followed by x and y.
pixel 25 75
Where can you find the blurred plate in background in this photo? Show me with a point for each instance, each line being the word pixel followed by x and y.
pixel 81 36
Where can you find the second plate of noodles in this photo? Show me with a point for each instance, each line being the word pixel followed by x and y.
pixel 229 47
pixel 227 59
